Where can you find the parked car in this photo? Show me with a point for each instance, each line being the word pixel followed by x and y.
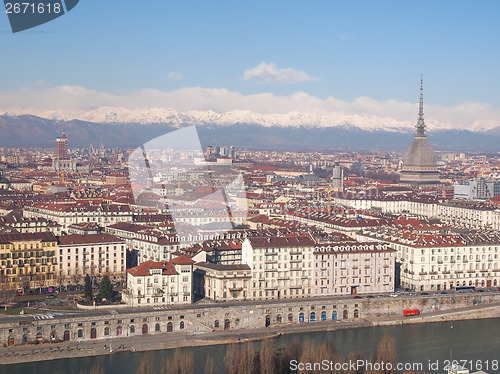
pixel 412 294
pixel 394 295
pixel 424 294
pixel 444 293
pixel 358 297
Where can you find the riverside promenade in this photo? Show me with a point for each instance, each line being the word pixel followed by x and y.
pixel 72 349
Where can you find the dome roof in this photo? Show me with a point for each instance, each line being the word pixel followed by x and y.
pixel 420 154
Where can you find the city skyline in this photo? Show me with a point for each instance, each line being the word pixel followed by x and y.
pixel 183 174
pixel 328 59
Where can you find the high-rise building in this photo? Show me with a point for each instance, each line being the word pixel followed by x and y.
pixel 419 162
pixel 478 189
pixel 338 178
pixel 62 147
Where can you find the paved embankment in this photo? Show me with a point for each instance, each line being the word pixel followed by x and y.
pixel 40 352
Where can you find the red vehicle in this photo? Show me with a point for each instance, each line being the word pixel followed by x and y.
pixel 411 312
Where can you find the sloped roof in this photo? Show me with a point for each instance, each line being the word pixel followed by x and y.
pixel 420 154
pixel 144 269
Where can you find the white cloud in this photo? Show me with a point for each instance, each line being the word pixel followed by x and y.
pixel 68 102
pixel 41 83
pixel 269 73
pixel 175 76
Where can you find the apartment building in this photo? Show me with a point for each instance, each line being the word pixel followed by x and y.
pixel 29 225
pixel 471 214
pixel 28 260
pixel 220 282
pixel 282 267
pixel 68 214
pixel 439 261
pixel 352 268
pixel 93 254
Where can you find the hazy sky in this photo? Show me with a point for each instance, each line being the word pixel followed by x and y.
pixel 342 50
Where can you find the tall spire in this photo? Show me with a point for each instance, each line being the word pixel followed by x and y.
pixel 420 130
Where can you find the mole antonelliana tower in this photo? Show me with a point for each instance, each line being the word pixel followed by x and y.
pixel 419 162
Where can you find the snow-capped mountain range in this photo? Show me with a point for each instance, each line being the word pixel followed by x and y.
pixel 242 129
pixel 117 115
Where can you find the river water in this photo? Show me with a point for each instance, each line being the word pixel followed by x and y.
pixel 428 344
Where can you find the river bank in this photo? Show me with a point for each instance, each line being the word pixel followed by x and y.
pixel 163 341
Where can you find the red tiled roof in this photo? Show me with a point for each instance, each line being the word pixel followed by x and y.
pixel 46 236
pixel 76 239
pixel 295 241
pixel 143 269
pixel 182 260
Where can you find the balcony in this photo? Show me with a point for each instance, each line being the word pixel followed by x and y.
pixel 272 288
pixel 235 289
pixel 267 270
pixel 422 273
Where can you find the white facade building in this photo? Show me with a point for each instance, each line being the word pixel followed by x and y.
pixel 69 214
pixel 95 255
pixel 439 261
pixel 282 267
pixel 160 283
pixel 223 282
pixel 353 268
pixel 471 214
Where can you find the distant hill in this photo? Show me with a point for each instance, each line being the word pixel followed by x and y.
pixel 32 131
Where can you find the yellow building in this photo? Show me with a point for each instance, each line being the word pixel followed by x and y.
pixel 28 260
